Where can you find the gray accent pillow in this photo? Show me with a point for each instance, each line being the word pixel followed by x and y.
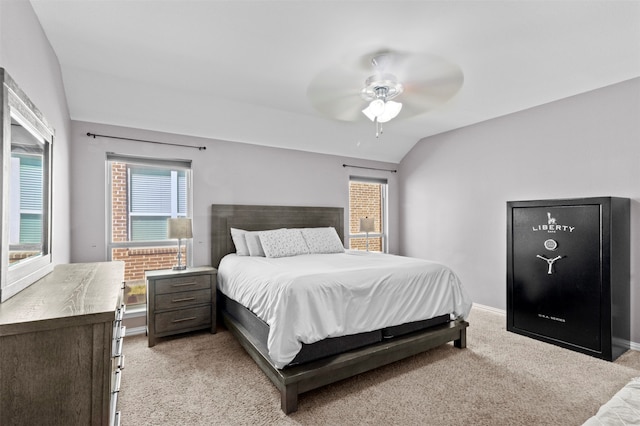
pixel 322 240
pixel 283 243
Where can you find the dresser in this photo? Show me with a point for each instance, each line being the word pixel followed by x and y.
pixel 61 348
pixel 179 301
pixel 568 273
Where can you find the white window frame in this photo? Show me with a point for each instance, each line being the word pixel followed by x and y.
pixel 154 162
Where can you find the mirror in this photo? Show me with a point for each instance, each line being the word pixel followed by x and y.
pixel 26 191
pixel 25 195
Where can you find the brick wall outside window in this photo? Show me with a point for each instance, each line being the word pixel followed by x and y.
pixel 365 200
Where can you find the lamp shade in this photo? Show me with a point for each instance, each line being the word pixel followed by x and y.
pixel 367 224
pixel 179 228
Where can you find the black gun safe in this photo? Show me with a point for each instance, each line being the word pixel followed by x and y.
pixel 568 273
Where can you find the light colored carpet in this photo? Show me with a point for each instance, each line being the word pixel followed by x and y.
pixel 501 378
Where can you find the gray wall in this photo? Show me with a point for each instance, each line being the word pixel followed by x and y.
pixel 454 186
pixel 25 53
pixel 224 173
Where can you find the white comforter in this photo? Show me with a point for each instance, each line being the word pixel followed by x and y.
pixel 308 298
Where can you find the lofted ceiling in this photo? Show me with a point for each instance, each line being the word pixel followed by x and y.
pixel 240 70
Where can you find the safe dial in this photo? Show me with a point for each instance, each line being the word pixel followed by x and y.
pixel 551 245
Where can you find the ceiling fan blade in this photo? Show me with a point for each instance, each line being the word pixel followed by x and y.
pixel 336 94
pixel 422 96
pixel 342 108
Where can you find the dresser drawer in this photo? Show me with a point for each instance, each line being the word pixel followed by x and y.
pixel 182 299
pixel 178 284
pixel 183 319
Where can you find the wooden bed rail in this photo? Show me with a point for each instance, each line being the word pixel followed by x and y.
pixel 293 381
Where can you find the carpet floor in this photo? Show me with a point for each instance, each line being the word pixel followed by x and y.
pixel 501 378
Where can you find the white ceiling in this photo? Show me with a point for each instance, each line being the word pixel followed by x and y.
pixel 239 70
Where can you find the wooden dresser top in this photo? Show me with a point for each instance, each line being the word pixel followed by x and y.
pixel 72 294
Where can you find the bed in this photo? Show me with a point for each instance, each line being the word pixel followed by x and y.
pixel 330 356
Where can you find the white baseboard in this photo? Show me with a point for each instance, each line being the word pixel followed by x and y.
pixel 132 331
pixel 490 309
pixel 632 345
pixel 136 311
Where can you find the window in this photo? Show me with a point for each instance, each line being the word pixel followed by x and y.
pixel 368 199
pixel 144 194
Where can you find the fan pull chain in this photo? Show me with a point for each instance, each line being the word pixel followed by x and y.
pixel 378 127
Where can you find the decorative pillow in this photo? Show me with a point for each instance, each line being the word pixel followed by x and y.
pixel 322 240
pixel 283 243
pixel 238 237
pixel 253 243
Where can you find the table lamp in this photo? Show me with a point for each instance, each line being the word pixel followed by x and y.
pixel 179 228
pixel 367 224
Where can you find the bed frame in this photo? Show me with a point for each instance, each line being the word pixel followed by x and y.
pixel 292 381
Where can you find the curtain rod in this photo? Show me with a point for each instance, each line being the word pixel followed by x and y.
pixel 370 168
pixel 200 148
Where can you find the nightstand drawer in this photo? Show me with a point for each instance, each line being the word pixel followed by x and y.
pixel 177 284
pixel 182 299
pixel 182 319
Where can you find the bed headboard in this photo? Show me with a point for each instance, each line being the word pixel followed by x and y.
pixel 259 218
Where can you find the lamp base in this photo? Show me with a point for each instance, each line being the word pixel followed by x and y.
pixel 179 267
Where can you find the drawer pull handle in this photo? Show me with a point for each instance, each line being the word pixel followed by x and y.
pixel 184 319
pixel 116 385
pixel 117 346
pixel 184 284
pixel 183 299
pixel 117 349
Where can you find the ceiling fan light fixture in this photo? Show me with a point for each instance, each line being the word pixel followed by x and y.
pixel 391 110
pixel 379 90
pixel 381 111
pixel 376 108
pixel 367 111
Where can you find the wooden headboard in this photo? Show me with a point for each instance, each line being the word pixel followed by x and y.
pixel 261 218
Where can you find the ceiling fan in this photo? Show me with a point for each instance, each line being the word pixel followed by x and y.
pixel 383 85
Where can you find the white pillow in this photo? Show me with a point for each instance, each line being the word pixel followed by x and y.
pixel 238 237
pixel 322 240
pixel 283 243
pixel 253 243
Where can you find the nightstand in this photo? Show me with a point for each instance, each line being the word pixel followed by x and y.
pixel 180 301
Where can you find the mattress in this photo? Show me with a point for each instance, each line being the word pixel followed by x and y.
pixel 309 298
pixel 309 352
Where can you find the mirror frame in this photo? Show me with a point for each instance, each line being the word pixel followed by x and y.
pixel 16 104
